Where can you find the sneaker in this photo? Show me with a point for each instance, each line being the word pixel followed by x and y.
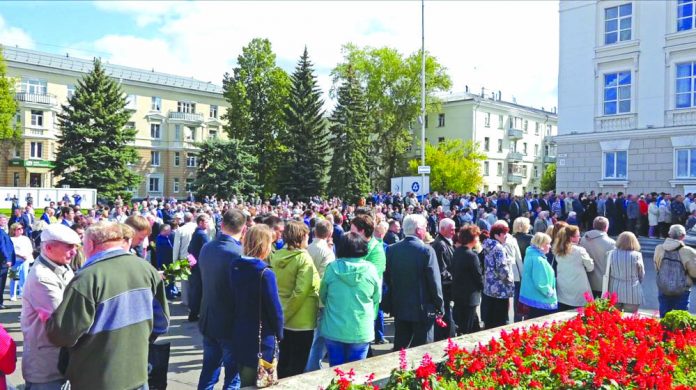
pixel 13 299
pixel 192 318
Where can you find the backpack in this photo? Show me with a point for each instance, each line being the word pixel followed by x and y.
pixel 671 277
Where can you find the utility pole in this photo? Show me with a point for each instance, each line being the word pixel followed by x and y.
pixel 423 89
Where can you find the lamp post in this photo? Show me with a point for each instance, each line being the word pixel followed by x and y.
pixel 422 89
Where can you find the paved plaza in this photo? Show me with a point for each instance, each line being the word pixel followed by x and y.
pixel 187 348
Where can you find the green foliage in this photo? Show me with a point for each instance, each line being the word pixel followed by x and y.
pixel 455 165
pixel 257 93
pixel 350 143
pixel 678 319
pixel 225 168
pixel 10 134
pixel 302 172
pixel 392 94
pixel 548 179
pixel 94 148
pixel 177 270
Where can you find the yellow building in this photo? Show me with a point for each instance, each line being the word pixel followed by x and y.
pixel 170 112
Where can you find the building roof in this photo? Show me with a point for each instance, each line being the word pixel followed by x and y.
pixel 464 96
pixel 64 62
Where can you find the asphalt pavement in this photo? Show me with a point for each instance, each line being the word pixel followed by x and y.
pixel 187 347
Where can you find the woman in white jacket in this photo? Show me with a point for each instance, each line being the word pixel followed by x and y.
pixel 572 283
pixel 653 213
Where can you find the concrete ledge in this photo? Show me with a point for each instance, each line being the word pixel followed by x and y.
pixel 383 365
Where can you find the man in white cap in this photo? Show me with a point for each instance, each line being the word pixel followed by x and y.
pixel 43 292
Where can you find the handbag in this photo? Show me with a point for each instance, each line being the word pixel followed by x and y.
pixel 266 372
pixel 605 277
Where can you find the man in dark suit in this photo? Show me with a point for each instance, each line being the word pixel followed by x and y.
pixel 415 292
pixel 393 235
pixel 444 250
pixel 198 239
pixel 214 264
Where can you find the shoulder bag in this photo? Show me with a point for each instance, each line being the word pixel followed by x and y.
pixel 267 372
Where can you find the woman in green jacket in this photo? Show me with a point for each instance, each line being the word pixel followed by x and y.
pixel 538 289
pixel 298 288
pixel 350 291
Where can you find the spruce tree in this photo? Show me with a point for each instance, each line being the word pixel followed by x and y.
pixel 304 168
pixel 10 135
pixel 93 149
pixel 226 168
pixel 349 176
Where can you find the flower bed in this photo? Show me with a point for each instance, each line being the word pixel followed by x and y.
pixel 599 348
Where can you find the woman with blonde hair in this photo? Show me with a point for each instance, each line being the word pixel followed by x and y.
pixel 538 290
pixel 626 272
pixel 25 257
pixel 258 324
pixel 573 264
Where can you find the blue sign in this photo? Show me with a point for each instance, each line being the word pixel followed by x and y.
pixel 415 186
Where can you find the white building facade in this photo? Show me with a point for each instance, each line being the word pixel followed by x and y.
pixel 627 96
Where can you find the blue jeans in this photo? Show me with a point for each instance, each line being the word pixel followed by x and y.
pixel 379 326
pixel 218 353
pixel 669 303
pixel 17 286
pixel 318 350
pixel 340 353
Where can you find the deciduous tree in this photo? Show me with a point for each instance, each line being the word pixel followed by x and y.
pixel 548 179
pixel 455 165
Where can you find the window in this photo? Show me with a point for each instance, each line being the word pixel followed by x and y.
pixel 33 86
pixel 190 160
pixel 615 164
pixel 500 169
pixel 154 158
pixel 177 132
pixel 18 117
pixel 190 133
pixel 686 76
pixel 175 187
pixel 487 120
pixel 441 120
pixel 16 153
pixel 685 15
pixel 617 93
pixel 501 121
pixel 548 129
pixel 536 171
pixel 131 102
pixel 524 148
pixel 36 150
pixel 485 168
pixel 440 140
pixel 37 118
pixel 189 184
pixel 155 131
pixel 154 185
pixel 500 146
pixel 525 126
pixel 15 179
pixel 177 159
pixel 213 111
pixel 536 150
pixel 186 107
pixel 686 163
pixel 426 121
pixel 617 24
pixel 486 144
pixel 71 90
pixel 212 133
pixel 516 122
pixel 537 125
pixel 130 125
pixel 156 104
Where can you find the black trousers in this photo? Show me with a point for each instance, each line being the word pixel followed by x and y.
pixel 3 281
pixel 195 291
pixel 409 334
pixel 466 318
pixel 294 352
pixel 450 330
pixel 497 313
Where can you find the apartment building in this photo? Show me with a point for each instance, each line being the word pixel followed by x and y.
pixel 515 138
pixel 627 96
pixel 170 113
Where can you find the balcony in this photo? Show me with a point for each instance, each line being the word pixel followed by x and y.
pixel 516 173
pixel 515 156
pixel 549 159
pixel 681 117
pixel 615 122
pixel 39 99
pixel 514 178
pixel 515 133
pixel 190 117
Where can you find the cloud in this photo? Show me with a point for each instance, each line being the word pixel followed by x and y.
pixel 506 46
pixel 14 36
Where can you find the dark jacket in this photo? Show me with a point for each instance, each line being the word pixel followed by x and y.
pixel 7 251
pixel 467 277
pixel 523 241
pixel 413 280
pixel 391 238
pixel 164 249
pixel 199 238
pixel 215 261
pixel 249 296
pixel 444 251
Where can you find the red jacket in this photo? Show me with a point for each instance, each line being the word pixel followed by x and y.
pixel 8 356
pixel 643 207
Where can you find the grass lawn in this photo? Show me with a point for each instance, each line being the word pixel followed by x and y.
pixel 8 213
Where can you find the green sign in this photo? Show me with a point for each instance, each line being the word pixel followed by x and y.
pixel 32 163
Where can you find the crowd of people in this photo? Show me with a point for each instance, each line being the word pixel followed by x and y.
pixel 305 281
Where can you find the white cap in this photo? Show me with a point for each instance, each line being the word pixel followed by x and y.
pixel 61 233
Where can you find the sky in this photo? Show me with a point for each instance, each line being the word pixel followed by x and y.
pixel 507 46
